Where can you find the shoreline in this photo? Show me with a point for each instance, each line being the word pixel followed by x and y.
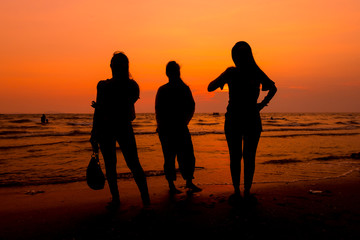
pixel 284 210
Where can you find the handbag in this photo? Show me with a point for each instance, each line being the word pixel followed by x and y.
pixel 94 176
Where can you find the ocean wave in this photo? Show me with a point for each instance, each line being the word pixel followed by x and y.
pixel 48 134
pixel 206 133
pixel 310 135
pixel 324 158
pixel 348 123
pixel 208 124
pixel 40 144
pixel 62 179
pixel 17 127
pixel 269 123
pixel 21 121
pixel 282 161
pixel 8 132
pixel 79 123
pixel 311 129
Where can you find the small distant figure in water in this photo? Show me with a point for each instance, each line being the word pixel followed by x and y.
pixel 242 119
pixel 44 119
pixel 114 112
pixel 174 107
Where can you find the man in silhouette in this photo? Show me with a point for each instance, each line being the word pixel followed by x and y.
pixel 174 107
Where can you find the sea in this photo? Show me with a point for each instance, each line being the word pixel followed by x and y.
pixel 293 147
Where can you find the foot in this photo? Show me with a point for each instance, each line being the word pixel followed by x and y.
pixel 174 190
pixel 193 188
pixel 113 205
pixel 235 199
pixel 250 198
pixel 145 199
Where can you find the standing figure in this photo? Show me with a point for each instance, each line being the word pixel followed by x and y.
pixel 114 112
pixel 242 119
pixel 174 107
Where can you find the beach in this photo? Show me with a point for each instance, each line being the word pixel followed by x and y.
pixel 306 181
pixel 323 209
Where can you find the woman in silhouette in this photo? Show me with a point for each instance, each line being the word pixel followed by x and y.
pixel 242 119
pixel 114 112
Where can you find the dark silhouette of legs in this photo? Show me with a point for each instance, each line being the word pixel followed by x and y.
pixel 250 145
pixel 126 139
pixel 241 145
pixel 108 150
pixel 127 142
pixel 168 146
pixel 178 144
pixel 234 142
pixel 186 159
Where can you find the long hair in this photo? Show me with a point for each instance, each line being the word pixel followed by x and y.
pixel 120 65
pixel 242 55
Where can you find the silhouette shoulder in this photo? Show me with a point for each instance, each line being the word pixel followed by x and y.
pixel 101 84
pixel 163 87
pixel 134 83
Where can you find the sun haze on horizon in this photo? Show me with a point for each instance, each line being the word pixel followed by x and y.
pixel 53 53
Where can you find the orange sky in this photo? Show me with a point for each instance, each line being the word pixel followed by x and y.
pixel 53 53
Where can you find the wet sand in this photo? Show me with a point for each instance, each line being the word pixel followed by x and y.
pixel 283 211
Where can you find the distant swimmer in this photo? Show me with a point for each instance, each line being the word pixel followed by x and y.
pixel 44 119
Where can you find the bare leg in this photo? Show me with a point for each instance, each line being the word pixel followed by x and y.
pixel 108 151
pixel 235 151
pixel 250 146
pixel 128 146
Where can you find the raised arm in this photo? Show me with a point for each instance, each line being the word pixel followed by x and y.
pixel 219 82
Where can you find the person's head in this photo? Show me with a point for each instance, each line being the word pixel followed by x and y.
pixel 120 65
pixel 241 54
pixel 173 70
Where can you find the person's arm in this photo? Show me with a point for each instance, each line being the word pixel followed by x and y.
pixel 267 85
pixel 268 97
pixel 191 107
pixel 158 110
pixel 135 91
pixel 97 111
pixel 219 82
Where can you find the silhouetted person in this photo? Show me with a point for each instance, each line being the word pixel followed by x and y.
pixel 43 119
pixel 114 111
pixel 242 119
pixel 174 107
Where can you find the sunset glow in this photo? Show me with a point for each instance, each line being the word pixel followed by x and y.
pixel 53 53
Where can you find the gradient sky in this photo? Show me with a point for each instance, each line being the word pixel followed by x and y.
pixel 53 53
